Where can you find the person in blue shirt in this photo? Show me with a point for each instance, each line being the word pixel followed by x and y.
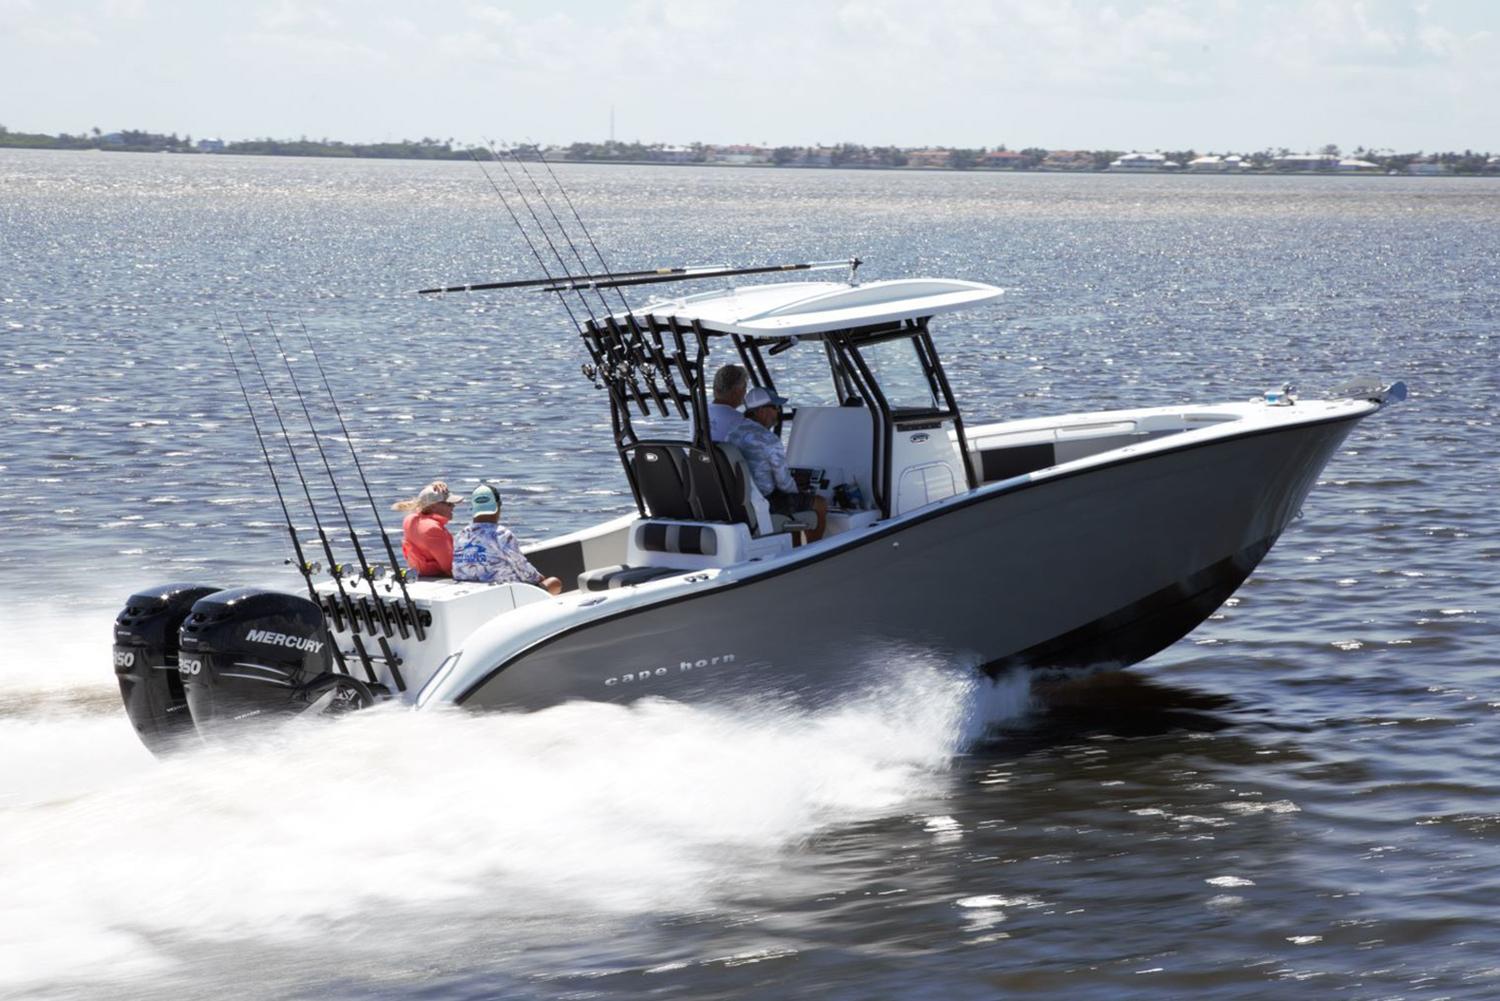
pixel 486 551
pixel 766 456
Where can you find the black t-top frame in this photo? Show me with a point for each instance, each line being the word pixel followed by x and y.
pixel 656 364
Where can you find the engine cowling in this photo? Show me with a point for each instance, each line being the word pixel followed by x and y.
pixel 146 663
pixel 249 653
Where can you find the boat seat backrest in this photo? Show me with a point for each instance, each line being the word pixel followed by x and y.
pixel 711 502
pixel 678 483
pixel 750 506
pixel 662 477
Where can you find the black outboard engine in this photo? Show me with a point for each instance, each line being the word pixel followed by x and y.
pixel 146 663
pixel 248 653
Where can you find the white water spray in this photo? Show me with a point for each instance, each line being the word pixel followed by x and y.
pixel 584 809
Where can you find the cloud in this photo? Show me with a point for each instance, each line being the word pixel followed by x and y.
pixel 289 16
pixel 123 10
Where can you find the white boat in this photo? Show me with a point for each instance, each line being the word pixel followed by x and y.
pixel 1046 543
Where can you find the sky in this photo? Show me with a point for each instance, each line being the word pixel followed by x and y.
pixel 1208 75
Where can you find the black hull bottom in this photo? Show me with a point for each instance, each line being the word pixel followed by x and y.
pixel 1145 627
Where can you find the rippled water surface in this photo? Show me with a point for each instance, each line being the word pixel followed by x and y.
pixel 1298 800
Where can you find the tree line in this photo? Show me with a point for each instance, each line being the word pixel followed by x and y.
pixel 846 155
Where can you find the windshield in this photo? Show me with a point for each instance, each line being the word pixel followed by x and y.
pixel 899 371
pixel 802 375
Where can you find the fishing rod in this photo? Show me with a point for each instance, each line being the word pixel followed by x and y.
pixel 303 566
pixel 536 148
pixel 530 245
pixel 636 347
pixel 599 361
pixel 411 606
pixel 333 565
pixel 698 273
pixel 545 235
pixel 366 570
pixel 359 552
pixel 645 277
pixel 536 282
pixel 547 202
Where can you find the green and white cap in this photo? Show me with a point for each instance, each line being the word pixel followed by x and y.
pixel 485 499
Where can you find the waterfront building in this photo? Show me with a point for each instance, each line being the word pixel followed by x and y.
pixel 1069 159
pixel 929 157
pixel 1003 159
pixel 1143 162
pixel 739 155
pixel 1306 161
pixel 1428 166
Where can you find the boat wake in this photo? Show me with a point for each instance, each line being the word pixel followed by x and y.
pixel 116 864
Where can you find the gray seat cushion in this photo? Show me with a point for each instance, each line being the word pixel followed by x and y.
pixel 619 575
pixel 696 540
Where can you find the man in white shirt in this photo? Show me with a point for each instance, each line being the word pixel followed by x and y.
pixel 766 457
pixel 730 383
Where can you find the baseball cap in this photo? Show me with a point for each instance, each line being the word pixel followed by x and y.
pixel 436 493
pixel 763 397
pixel 486 499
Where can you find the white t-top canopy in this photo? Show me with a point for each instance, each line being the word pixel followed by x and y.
pixel 802 308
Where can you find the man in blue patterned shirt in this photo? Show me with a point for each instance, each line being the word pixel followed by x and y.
pixel 486 551
pixel 766 456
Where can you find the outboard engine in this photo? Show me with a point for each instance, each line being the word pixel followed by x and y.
pixel 248 653
pixel 146 663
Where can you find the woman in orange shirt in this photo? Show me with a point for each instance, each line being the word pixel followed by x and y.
pixel 425 541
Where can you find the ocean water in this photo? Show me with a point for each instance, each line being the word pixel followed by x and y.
pixel 1298 800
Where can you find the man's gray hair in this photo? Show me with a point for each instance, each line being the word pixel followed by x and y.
pixel 729 378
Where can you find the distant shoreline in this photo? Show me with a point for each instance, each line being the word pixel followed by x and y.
pixel 846 156
pixel 852 168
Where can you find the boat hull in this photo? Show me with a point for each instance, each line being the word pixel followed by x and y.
pixel 1101 565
